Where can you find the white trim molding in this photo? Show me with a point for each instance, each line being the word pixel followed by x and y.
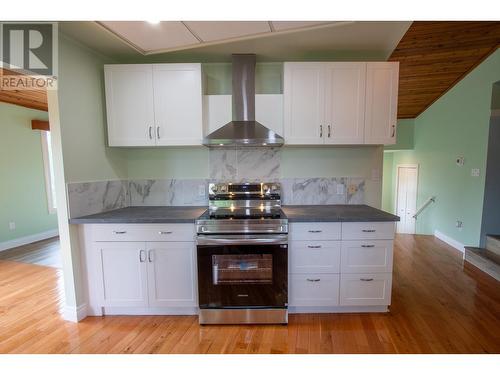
pixel 450 241
pixel 75 313
pixel 28 239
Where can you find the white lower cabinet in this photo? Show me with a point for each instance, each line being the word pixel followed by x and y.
pixel 313 289
pixel 171 274
pixel 141 277
pixel 365 289
pixel 123 272
pixel 336 267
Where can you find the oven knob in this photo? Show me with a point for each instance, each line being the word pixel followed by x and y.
pixel 215 188
pixel 265 189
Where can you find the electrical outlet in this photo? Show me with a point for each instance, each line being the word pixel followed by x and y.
pixel 460 161
pixel 12 225
pixel 459 224
pixel 475 172
pixel 201 190
pixel 340 189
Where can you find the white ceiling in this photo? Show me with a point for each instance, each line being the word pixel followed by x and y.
pixel 211 41
pixel 165 36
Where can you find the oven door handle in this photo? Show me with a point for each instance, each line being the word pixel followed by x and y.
pixel 203 240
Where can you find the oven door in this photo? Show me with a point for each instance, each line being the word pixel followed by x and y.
pixel 242 271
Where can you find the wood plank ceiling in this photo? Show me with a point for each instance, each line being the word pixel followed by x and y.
pixel 35 99
pixel 434 56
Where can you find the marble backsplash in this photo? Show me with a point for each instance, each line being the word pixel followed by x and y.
pixel 88 198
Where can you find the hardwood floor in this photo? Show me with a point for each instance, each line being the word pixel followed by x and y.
pixel 44 253
pixel 438 307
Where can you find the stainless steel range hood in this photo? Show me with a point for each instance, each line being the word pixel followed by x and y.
pixel 243 130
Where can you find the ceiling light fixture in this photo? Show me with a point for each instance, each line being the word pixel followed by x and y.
pixel 153 22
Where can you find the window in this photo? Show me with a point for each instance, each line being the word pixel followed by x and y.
pixel 48 163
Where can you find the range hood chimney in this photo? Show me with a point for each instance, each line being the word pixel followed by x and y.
pixel 243 130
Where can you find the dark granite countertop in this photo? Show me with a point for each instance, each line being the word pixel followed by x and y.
pixel 188 214
pixel 337 212
pixel 144 214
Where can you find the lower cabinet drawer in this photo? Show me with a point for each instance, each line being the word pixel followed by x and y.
pixel 143 232
pixel 368 256
pixel 313 290
pixel 365 289
pixel 314 257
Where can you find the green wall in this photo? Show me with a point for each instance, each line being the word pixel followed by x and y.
pixel 455 125
pixel 23 198
pixel 83 116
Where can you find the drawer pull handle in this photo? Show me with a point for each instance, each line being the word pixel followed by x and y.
pixel 314 246
pixel 367 245
pixel 313 280
pixel 142 256
pixel 315 231
pixel 368 230
pixel 150 256
pixel 362 279
pixel 164 232
pixel 119 231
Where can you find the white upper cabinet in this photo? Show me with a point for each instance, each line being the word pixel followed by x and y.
pixel 340 102
pixel 150 105
pixel 129 102
pixel 382 80
pixel 304 103
pixel 345 103
pixel 178 104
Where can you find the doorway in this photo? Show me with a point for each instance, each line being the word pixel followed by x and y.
pixel 406 197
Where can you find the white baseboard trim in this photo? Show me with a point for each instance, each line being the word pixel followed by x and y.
pixel 75 314
pixel 450 241
pixel 28 239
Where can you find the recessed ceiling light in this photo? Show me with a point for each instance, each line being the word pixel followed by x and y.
pixel 153 22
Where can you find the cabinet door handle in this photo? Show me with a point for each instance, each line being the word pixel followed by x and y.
pixel 321 131
pixel 315 231
pixel 367 245
pixel 164 232
pixel 314 246
pixel 393 131
pixel 363 279
pixel 151 255
pixel 119 231
pixel 158 132
pixel 329 131
pixel 150 132
pixel 368 230
pixel 313 280
pixel 142 256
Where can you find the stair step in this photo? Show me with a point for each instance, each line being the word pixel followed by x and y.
pixel 493 243
pixel 487 261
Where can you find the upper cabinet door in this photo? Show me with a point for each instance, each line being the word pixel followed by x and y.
pixel 381 102
pixel 178 104
pixel 345 103
pixel 129 102
pixel 304 103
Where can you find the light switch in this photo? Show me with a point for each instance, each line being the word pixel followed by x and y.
pixel 475 172
pixel 12 225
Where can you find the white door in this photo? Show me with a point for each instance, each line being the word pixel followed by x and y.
pixel 123 269
pixel 178 104
pixel 345 103
pixel 172 274
pixel 381 102
pixel 406 198
pixel 304 103
pixel 129 105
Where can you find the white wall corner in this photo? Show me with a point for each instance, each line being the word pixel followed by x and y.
pixel 450 241
pixel 75 313
pixel 28 239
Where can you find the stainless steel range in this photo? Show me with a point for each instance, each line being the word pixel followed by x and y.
pixel 242 245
